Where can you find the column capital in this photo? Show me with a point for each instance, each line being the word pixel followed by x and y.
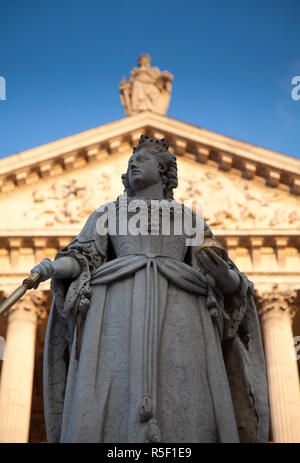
pixel 276 300
pixel 33 303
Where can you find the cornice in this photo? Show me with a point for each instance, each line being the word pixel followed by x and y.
pixel 57 239
pixel 191 141
pixel 72 232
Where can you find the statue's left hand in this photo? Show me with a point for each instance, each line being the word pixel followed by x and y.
pixel 219 269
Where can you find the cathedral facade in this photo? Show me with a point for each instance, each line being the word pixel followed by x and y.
pixel 251 199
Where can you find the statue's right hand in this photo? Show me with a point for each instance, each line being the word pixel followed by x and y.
pixel 45 268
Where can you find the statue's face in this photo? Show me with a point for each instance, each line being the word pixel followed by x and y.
pixel 143 170
pixel 144 61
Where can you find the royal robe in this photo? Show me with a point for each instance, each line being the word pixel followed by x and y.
pixel 135 351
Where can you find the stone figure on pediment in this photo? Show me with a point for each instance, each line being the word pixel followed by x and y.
pixel 148 89
pixel 150 337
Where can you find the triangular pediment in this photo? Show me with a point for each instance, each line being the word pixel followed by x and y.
pixel 54 187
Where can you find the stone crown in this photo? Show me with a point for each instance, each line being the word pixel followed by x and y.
pixel 160 146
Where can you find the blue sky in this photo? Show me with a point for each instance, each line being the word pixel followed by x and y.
pixel 232 62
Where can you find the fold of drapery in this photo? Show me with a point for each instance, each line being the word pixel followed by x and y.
pixel 190 280
pixel 175 271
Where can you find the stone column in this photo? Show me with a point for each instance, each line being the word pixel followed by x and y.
pixel 276 308
pixel 18 367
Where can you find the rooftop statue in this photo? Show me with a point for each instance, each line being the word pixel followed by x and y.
pixel 147 90
pixel 151 338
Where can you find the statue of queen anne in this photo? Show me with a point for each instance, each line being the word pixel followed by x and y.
pixel 146 342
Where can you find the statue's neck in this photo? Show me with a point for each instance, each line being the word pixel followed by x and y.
pixel 155 191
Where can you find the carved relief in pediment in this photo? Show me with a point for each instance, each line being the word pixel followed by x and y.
pixel 66 202
pixel 230 201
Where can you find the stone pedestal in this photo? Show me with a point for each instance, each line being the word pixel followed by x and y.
pixel 276 309
pixel 18 367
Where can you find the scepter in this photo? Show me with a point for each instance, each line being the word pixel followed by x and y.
pixel 29 283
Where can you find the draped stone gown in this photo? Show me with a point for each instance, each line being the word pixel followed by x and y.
pixel 133 354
